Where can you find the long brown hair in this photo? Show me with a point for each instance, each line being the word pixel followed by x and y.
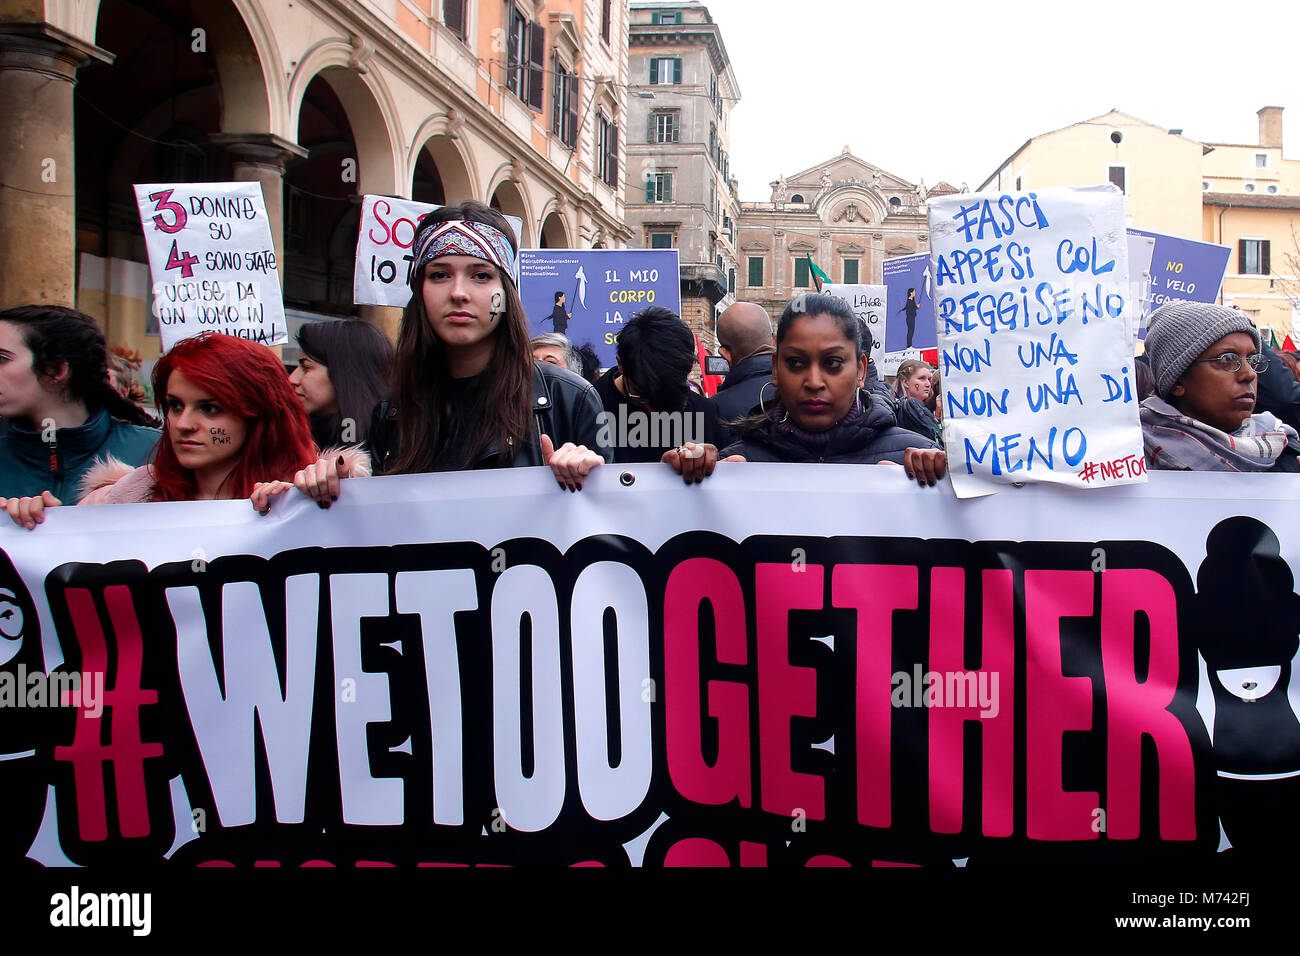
pixel 502 407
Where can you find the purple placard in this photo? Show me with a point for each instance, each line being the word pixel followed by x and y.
pixel 1182 269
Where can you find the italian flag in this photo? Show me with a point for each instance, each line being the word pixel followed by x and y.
pixel 818 276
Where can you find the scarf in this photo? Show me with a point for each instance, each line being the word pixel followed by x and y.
pixel 1175 442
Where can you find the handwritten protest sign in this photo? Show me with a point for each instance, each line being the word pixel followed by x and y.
pixel 1182 269
pixel 910 305
pixel 1031 291
pixel 212 261
pixel 1140 251
pixel 868 303
pixel 589 294
pixel 384 248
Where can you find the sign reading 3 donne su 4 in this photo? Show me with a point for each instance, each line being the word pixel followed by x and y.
pixel 477 668
pixel 212 261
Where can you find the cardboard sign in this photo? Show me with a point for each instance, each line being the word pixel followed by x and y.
pixel 868 304
pixel 601 289
pixel 911 330
pixel 469 668
pixel 1182 269
pixel 1031 292
pixel 384 248
pixel 212 261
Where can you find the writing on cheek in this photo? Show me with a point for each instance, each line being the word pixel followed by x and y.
pixel 219 436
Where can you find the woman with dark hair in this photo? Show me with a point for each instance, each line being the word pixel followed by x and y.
pixel 63 412
pixel 822 412
pixel 232 426
pixel 467 393
pixel 1206 361
pixel 342 374
pixel 911 307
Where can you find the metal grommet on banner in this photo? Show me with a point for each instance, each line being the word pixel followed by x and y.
pixel 1017 484
pixel 627 478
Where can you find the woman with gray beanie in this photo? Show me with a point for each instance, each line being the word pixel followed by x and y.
pixel 1205 359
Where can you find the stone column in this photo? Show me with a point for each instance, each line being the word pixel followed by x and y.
pixel 779 257
pixel 826 256
pixel 876 268
pixel 38 246
pixel 260 158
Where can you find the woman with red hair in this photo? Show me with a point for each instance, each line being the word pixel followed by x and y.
pixel 232 426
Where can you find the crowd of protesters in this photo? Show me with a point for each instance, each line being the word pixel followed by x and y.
pixel 465 388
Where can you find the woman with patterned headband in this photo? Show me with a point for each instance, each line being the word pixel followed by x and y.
pixel 466 392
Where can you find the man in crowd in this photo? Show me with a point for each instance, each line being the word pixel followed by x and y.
pixel 746 342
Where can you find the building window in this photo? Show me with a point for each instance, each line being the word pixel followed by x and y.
pixel 731 279
pixel 1119 176
pixel 1261 160
pixel 1253 257
pixel 453 15
pixel 1017 184
pixel 1250 187
pixel 659 188
pixel 661 240
pixel 666 16
pixel 606 19
pixel 796 198
pixel 606 151
pixel 525 58
pixel 564 106
pixel 755 271
pixel 665 70
pixel 665 126
pixel 895 202
pixel 1205 185
pixel 850 271
pixel 1272 190
pixel 802 278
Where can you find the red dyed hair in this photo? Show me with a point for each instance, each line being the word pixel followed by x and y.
pixel 250 381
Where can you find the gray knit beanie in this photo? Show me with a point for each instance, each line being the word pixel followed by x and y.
pixel 1179 331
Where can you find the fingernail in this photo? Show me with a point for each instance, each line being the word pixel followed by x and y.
pixel 910 476
pixel 339 464
pixel 321 504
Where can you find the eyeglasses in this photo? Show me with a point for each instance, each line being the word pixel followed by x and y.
pixel 1231 361
pixel 630 390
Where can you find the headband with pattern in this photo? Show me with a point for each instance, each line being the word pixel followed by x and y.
pixel 466 238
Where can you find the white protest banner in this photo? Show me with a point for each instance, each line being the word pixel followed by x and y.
pixel 1031 295
pixel 212 261
pixel 868 304
pixel 478 668
pixel 384 248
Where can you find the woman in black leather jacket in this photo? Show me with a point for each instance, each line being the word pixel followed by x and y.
pixel 466 391
pixel 823 413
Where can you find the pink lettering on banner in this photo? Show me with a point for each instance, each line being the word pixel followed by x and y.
pixel 826 859
pixel 125 752
pixel 875 591
pixel 785 691
pixel 696 851
pixel 1055 704
pixel 1135 709
pixel 728 778
pixel 994 714
pixel 753 854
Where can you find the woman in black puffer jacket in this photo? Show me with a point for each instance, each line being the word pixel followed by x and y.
pixel 823 413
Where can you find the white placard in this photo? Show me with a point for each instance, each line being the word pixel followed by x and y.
pixel 384 248
pixel 868 304
pixel 1032 291
pixel 212 261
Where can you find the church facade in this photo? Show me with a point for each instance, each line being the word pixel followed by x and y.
pixel 845 213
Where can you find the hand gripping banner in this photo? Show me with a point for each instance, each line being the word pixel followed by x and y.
pixel 784 666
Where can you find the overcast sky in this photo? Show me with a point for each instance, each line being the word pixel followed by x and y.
pixel 971 81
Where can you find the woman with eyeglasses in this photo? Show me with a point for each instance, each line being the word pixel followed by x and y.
pixel 1205 359
pixel 822 412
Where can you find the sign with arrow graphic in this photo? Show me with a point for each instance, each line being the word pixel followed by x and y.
pixel 589 294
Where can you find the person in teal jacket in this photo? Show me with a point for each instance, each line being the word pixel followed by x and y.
pixel 62 412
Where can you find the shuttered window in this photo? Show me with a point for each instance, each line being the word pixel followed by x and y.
pixel 755 270
pixel 1253 257
pixel 453 15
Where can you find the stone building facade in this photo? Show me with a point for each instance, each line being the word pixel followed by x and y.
pixel 679 191
pixel 845 213
pixel 519 103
